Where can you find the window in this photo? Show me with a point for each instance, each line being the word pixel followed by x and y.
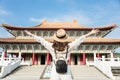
pixel 102 47
pixel 39 33
pixel 51 33
pixel 8 47
pixel 19 33
pixel 15 47
pixel 72 33
pixel 87 47
pixel 36 47
pixel 45 33
pixel 29 47
pixel 110 47
pixel 95 47
pixel 79 33
pixel 22 47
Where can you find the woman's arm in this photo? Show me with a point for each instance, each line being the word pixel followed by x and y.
pixel 93 31
pixel 39 39
pixel 29 33
pixel 78 41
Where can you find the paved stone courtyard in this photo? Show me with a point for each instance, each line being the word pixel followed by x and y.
pixel 35 72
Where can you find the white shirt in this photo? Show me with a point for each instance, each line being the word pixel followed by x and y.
pixel 48 46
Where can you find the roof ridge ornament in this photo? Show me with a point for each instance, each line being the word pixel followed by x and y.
pixel 43 20
pixel 75 21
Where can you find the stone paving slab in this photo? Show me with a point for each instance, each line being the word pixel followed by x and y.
pixel 34 73
pixel 26 73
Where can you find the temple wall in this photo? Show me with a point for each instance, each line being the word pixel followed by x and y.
pixel 44 59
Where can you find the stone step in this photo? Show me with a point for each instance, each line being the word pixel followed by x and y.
pixel 115 67
pixel 87 73
pixel 116 70
pixel 34 72
pixel 26 73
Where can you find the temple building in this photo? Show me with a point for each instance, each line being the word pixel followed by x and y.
pixel 94 46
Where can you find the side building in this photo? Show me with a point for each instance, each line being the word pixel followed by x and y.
pixel 94 46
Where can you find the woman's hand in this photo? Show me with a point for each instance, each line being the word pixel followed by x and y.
pixel 94 31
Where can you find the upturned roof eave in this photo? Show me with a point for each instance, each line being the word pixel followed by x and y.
pixel 54 28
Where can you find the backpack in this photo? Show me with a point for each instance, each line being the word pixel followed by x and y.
pixel 61 63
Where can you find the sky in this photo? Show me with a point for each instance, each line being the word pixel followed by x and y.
pixel 91 13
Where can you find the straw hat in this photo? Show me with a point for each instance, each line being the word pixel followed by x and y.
pixel 60 36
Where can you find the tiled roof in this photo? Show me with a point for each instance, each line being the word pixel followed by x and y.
pixel 102 40
pixel 88 40
pixel 56 25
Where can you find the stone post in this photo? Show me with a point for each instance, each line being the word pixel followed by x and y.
pixel 2 58
pixel 103 58
pixel 10 58
pixel 19 56
pixel 94 56
pixel 112 57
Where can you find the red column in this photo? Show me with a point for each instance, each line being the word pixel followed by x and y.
pixel 69 61
pixel 36 57
pixel 98 55
pixel 33 58
pixel 48 59
pixel 5 54
pixel 84 58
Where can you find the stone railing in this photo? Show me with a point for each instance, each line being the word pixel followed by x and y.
pixel 9 64
pixel 104 65
pixel 27 63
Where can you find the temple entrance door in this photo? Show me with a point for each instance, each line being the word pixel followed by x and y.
pixel 90 57
pixel 75 59
pixel 42 59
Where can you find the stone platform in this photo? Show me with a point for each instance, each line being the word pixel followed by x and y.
pixel 35 72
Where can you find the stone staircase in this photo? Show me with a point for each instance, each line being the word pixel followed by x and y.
pixel 87 73
pixel 116 71
pixel 26 73
pixel 79 72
